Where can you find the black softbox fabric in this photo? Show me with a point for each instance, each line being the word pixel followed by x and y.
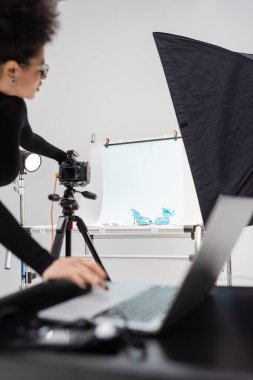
pixel 212 93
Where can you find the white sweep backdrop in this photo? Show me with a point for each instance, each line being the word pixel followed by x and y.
pixel 145 176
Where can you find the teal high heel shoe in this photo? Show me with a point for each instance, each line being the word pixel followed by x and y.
pixel 165 219
pixel 139 219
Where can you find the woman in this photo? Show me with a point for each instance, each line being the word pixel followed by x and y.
pixel 25 27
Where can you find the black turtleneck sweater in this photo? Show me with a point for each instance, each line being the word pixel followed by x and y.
pixel 15 131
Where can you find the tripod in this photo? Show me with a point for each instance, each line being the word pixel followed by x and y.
pixel 65 225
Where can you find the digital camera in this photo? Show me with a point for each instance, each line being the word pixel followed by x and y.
pixel 73 172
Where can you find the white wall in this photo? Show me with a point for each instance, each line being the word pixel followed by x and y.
pixel 106 78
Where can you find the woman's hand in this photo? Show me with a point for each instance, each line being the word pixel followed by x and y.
pixel 77 270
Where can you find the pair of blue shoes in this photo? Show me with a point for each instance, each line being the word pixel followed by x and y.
pixel 161 220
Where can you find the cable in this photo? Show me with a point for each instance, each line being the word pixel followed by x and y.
pixel 52 213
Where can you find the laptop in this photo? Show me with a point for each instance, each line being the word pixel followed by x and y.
pixel 152 308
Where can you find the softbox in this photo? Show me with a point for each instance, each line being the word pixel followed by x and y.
pixel 212 93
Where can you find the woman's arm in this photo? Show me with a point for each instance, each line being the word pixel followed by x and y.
pixel 36 144
pixel 18 241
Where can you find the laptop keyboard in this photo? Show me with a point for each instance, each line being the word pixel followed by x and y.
pixel 146 305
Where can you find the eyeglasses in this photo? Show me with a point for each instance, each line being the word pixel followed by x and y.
pixel 43 69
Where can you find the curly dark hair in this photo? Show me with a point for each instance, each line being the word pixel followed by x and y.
pixel 25 26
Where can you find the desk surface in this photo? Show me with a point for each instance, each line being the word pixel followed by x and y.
pixel 215 342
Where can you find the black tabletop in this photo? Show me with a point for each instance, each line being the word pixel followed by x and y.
pixel 214 342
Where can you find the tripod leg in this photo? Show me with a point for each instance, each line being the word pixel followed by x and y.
pixel 68 242
pixel 59 236
pixel 84 231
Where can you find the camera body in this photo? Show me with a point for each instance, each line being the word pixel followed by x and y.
pixel 73 172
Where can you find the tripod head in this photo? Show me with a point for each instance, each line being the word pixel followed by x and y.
pixel 68 201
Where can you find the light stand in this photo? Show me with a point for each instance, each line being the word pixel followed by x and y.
pixel 29 162
pixel 229 272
